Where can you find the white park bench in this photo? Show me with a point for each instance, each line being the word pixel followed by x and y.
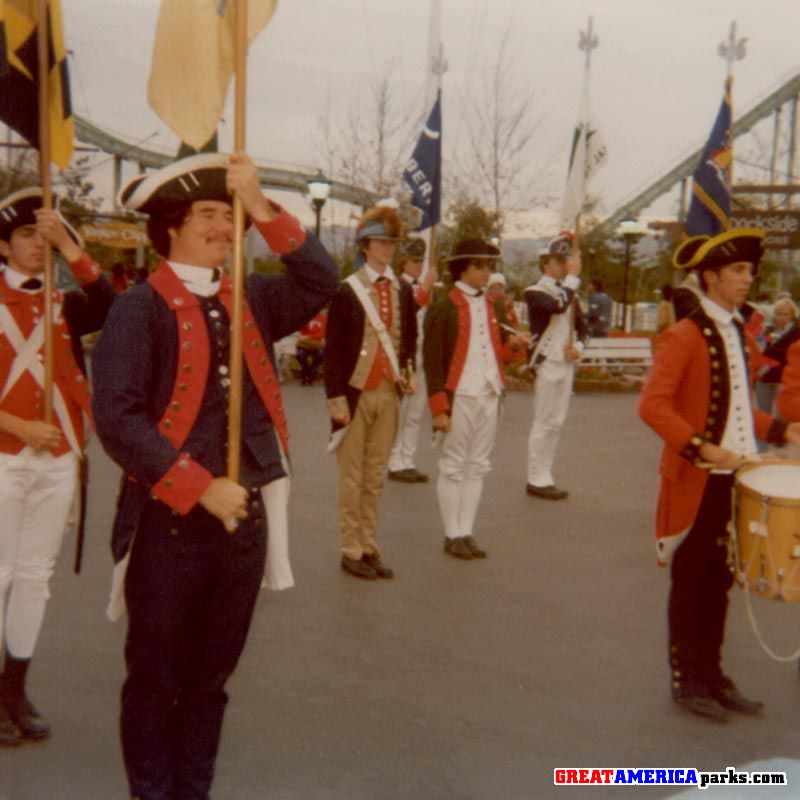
pixel 619 354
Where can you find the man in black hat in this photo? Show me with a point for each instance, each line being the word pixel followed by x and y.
pixel 38 460
pixel 193 541
pixel 464 373
pixel 369 362
pixel 697 399
pixel 559 334
pixel 401 460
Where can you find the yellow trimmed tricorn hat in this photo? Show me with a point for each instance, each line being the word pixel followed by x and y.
pixel 18 209
pixel 714 252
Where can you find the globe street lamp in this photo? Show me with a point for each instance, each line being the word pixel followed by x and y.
pixel 319 189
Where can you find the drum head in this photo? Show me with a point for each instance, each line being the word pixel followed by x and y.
pixel 778 479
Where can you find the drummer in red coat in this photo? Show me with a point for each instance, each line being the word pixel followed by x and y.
pixel 38 459
pixel 697 399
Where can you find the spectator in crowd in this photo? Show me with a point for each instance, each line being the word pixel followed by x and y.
pixel 311 348
pixel 599 315
pixel 783 333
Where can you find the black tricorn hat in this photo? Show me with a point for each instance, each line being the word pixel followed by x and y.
pixel 17 209
pixel 714 252
pixel 470 250
pixel 413 249
pixel 199 177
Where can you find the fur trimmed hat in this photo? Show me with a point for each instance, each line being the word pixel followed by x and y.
pixel 380 222
pixel 18 209
pixel 715 252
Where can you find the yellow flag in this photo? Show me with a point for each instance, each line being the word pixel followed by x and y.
pixel 193 62
pixel 19 77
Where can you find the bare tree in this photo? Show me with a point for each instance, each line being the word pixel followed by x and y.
pixel 497 164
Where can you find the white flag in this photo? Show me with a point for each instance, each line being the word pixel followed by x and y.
pixel 588 154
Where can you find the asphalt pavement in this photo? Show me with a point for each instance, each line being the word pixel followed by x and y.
pixel 454 681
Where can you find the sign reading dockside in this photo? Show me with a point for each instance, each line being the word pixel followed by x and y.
pixel 122 235
pixel 782 227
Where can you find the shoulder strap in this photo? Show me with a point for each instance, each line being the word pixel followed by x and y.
pixel 374 320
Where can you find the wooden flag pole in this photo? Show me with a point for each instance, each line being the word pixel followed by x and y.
pixel 235 368
pixel 42 39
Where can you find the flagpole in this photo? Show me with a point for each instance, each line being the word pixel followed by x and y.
pixel 235 368
pixel 732 50
pixel 42 39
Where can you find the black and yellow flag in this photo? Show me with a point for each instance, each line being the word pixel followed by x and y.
pixel 19 76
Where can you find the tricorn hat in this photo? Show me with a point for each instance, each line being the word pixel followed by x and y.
pixel 380 222
pixel 413 249
pixel 19 209
pixel 713 252
pixel 199 177
pixel 470 250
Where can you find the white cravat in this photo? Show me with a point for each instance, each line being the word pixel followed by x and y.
pixel 202 281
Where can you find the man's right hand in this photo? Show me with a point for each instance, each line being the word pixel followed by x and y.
pixel 719 457
pixel 226 500
pixel 441 422
pixel 341 419
pixel 39 435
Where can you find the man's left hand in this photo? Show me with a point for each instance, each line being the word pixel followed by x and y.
pixel 793 433
pixel 51 227
pixel 242 180
pixel 572 354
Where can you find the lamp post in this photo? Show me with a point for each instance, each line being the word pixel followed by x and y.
pixel 319 190
pixel 629 230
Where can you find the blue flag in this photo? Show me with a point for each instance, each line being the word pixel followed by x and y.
pixel 423 173
pixel 710 206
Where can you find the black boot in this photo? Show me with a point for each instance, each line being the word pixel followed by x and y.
pixel 25 717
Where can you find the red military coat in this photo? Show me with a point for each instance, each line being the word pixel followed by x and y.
pixel 685 401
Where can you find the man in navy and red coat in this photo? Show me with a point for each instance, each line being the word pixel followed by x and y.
pixel 463 360
pixel 195 541
pixel 698 400
pixel 369 362
pixel 38 460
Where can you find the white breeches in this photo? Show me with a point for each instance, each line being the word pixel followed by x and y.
pixel 36 495
pixel 465 461
pixel 551 394
pixel 412 409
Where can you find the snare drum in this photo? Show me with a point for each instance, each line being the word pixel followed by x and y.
pixel 765 535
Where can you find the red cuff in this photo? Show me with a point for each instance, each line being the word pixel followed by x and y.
pixel 85 270
pixel 439 404
pixel 284 234
pixel 182 485
pixel 421 297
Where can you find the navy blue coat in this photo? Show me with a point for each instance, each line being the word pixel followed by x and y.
pixel 134 371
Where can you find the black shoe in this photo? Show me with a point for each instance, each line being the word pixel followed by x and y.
pixel 403 476
pixel 474 548
pixel 358 568
pixel 457 548
pixel 547 492
pixel 10 734
pixel 729 697
pixel 379 568
pixel 702 705
pixel 31 724
pixel 419 477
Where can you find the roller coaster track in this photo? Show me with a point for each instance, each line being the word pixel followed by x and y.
pixel 273 177
pixel 635 205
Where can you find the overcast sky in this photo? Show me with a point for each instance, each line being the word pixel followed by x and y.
pixel 656 76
